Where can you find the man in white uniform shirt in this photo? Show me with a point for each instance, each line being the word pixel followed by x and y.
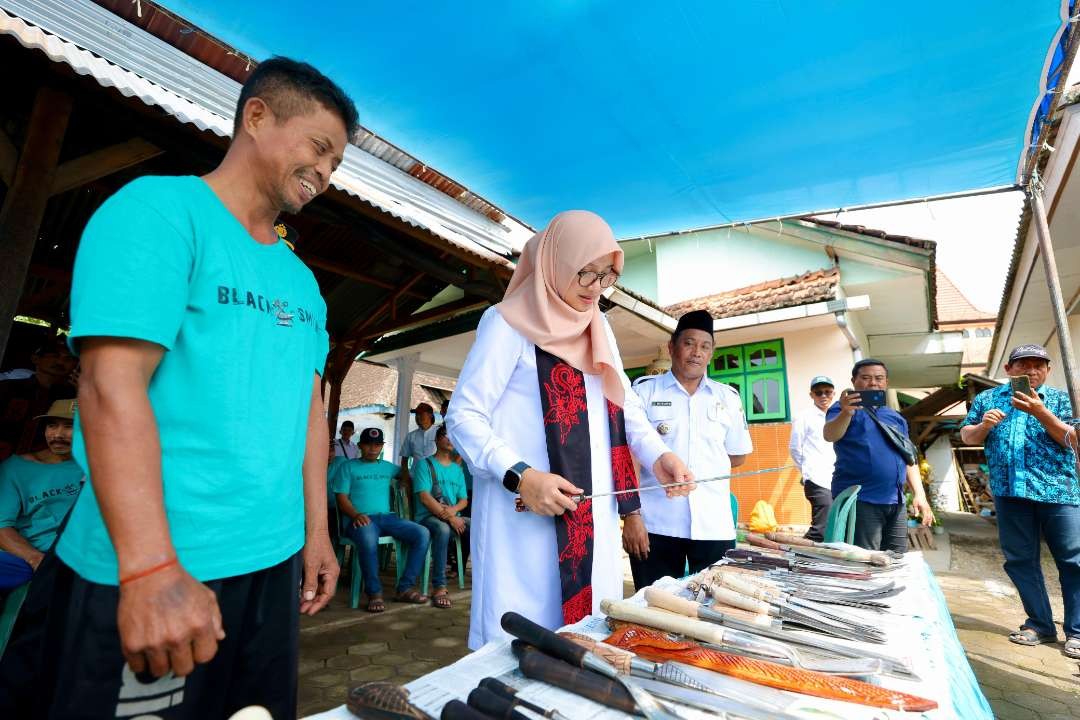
pixel 418 444
pixel 814 456
pixel 343 446
pixel 702 421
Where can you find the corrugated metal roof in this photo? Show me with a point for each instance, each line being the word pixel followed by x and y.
pixel 119 55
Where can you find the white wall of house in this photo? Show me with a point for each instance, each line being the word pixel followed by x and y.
pixel 945 482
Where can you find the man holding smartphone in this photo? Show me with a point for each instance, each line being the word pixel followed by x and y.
pixel 867 456
pixel 1030 451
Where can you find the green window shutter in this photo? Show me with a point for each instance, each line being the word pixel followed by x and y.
pixel 634 373
pixel 758 372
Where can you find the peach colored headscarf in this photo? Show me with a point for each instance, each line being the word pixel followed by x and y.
pixel 534 307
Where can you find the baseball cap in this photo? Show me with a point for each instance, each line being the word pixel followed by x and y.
pixel 425 407
pixel 821 380
pixel 373 436
pixel 1029 351
pixel 63 409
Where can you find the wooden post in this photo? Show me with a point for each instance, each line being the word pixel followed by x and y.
pixel 24 205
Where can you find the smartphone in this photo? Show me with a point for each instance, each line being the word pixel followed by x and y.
pixel 1020 384
pixel 872 398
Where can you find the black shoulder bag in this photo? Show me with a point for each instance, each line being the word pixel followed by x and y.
pixel 897 439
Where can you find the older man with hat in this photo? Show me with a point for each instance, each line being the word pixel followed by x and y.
pixel 36 491
pixel 814 455
pixel 702 421
pixel 1030 449
pixel 419 443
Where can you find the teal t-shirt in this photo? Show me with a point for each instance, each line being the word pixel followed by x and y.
pixel 243 327
pixel 35 497
pixel 368 484
pixel 451 481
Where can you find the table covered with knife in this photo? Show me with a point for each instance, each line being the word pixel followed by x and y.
pixel 822 636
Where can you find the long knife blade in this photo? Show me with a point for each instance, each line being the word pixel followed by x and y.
pixel 583 497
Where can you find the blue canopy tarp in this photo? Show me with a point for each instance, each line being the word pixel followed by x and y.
pixel 666 116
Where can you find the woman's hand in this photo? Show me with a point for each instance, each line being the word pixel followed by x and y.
pixel 669 469
pixel 547 493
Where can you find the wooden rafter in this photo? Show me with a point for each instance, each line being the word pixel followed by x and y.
pixel 428 316
pixel 9 157
pixel 100 163
pixel 339 269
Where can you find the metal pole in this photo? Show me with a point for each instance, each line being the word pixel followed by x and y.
pixel 1053 284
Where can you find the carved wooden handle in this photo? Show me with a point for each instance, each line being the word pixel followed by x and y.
pixel 762 541
pixel 669 622
pixel 749 589
pixel 789 539
pixel 738 600
pixel 673 603
pixel 616 657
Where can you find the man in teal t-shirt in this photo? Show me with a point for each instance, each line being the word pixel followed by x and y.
pixel 36 491
pixel 441 495
pixel 362 488
pixel 193 550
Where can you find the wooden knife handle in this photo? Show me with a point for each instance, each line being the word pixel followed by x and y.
pixel 598 688
pixel 737 600
pixel 539 636
pixel 616 657
pixel 493 705
pixel 671 602
pixel 762 541
pixel 457 710
pixel 661 620
pixel 749 589
pixel 789 539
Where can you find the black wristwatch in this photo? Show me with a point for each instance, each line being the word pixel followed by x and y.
pixel 512 478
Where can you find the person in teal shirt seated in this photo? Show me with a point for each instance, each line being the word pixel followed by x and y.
pixel 36 491
pixel 441 495
pixel 362 489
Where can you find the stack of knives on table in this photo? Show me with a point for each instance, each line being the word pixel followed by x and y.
pixel 750 638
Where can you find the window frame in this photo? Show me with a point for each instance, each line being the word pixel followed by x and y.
pixel 745 377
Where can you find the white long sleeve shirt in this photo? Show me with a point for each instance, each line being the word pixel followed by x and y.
pixel 495 420
pixel 812 453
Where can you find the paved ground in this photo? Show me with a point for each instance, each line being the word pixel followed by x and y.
pixel 342 647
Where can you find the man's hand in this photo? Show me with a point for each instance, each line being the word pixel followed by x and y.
pixel 1031 404
pixel 320 573
pixel 361 520
pixel 35 559
pixel 670 469
pixel 547 493
pixel 926 513
pixel 991 418
pixel 456 524
pixel 635 538
pixel 168 620
pixel 850 401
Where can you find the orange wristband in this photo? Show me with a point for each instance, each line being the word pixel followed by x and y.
pixel 148 571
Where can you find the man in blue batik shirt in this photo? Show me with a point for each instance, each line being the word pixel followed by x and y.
pixel 1034 483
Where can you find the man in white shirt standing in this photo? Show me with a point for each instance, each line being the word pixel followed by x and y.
pixel 343 446
pixel 701 421
pixel 814 456
pixel 418 444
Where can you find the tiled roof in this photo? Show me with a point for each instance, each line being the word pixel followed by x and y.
pixel 953 307
pixel 871 232
pixel 371 384
pixel 811 287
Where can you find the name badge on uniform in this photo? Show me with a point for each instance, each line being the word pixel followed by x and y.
pixel 661 403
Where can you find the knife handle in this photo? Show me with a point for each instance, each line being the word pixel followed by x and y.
pixel 618 658
pixel 730 597
pixel 761 541
pixel 669 601
pixel 457 710
pixel 789 539
pixel 508 692
pixel 543 639
pixel 494 705
pixel 598 688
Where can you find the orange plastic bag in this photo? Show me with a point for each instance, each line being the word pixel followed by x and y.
pixel 763 519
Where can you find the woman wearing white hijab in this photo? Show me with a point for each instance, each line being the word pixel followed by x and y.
pixel 542 410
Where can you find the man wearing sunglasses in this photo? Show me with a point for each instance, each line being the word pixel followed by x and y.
pixel 814 456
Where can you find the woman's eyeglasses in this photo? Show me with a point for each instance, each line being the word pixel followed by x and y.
pixel 585 278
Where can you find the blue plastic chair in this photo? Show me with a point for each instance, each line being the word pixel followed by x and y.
pixel 841 523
